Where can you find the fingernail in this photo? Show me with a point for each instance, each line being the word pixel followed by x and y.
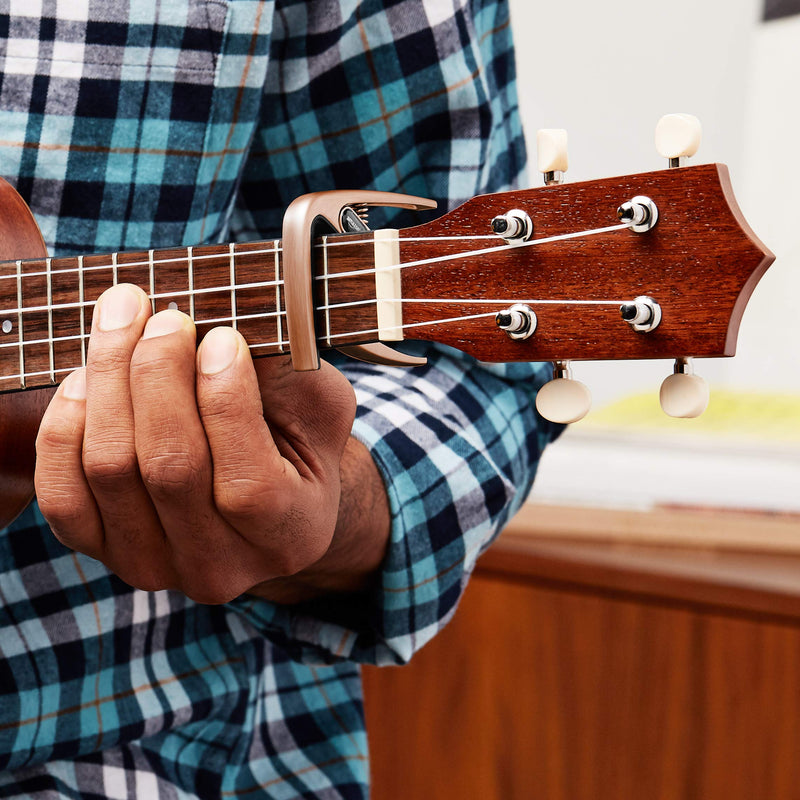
pixel 73 387
pixel 163 323
pixel 117 307
pixel 218 350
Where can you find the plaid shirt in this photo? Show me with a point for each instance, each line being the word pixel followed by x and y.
pixel 193 121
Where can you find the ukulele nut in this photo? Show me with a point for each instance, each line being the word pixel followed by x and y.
pixel 519 321
pixel 639 213
pixel 643 314
pixel 514 226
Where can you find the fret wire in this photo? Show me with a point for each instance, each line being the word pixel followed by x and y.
pixel 81 303
pixel 49 266
pixel 190 266
pixel 233 285
pixel 114 269
pixel 152 281
pixel 21 335
pixel 278 296
pixel 327 284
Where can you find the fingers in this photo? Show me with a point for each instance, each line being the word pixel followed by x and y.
pixel 62 490
pixel 130 525
pixel 175 461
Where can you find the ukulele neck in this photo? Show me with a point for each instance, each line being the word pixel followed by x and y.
pixel 46 304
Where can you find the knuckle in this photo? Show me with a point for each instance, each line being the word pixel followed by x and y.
pixel 108 359
pixel 60 510
pixel 57 435
pixel 289 535
pixel 301 555
pixel 219 401
pixel 229 408
pixel 247 499
pixel 172 471
pixel 153 366
pixel 70 519
pixel 298 542
pixel 109 467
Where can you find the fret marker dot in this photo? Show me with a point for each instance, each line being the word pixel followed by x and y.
pixel 7 326
pixel 173 306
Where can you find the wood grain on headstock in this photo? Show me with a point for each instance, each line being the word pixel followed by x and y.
pixel 701 263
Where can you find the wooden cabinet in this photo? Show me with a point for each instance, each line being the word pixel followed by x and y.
pixel 586 670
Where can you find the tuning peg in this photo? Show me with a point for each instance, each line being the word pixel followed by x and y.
pixel 684 394
pixel 563 399
pixel 678 137
pixel 551 144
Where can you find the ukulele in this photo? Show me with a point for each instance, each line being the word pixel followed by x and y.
pixel 655 265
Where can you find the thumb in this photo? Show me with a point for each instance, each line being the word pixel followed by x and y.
pixel 320 401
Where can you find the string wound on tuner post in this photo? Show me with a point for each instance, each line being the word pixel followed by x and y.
pixel 515 226
pixel 639 213
pixel 519 321
pixel 643 314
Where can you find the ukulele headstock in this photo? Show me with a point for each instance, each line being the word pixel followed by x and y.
pixel 656 265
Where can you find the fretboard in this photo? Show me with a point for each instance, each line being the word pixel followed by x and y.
pixel 46 304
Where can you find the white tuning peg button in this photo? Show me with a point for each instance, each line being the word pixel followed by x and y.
pixel 678 136
pixel 563 399
pixel 553 162
pixel 684 394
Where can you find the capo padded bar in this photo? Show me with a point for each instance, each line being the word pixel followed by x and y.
pixel 297 244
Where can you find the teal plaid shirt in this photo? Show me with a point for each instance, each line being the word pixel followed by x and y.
pixel 192 121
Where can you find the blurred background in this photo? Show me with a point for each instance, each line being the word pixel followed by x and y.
pixel 607 72
pixel 635 631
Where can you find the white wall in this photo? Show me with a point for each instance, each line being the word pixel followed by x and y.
pixel 606 71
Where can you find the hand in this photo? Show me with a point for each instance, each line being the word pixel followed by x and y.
pixel 196 470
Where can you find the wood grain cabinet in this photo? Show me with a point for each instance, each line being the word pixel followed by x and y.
pixel 586 670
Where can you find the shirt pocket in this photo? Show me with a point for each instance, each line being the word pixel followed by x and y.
pixel 104 110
